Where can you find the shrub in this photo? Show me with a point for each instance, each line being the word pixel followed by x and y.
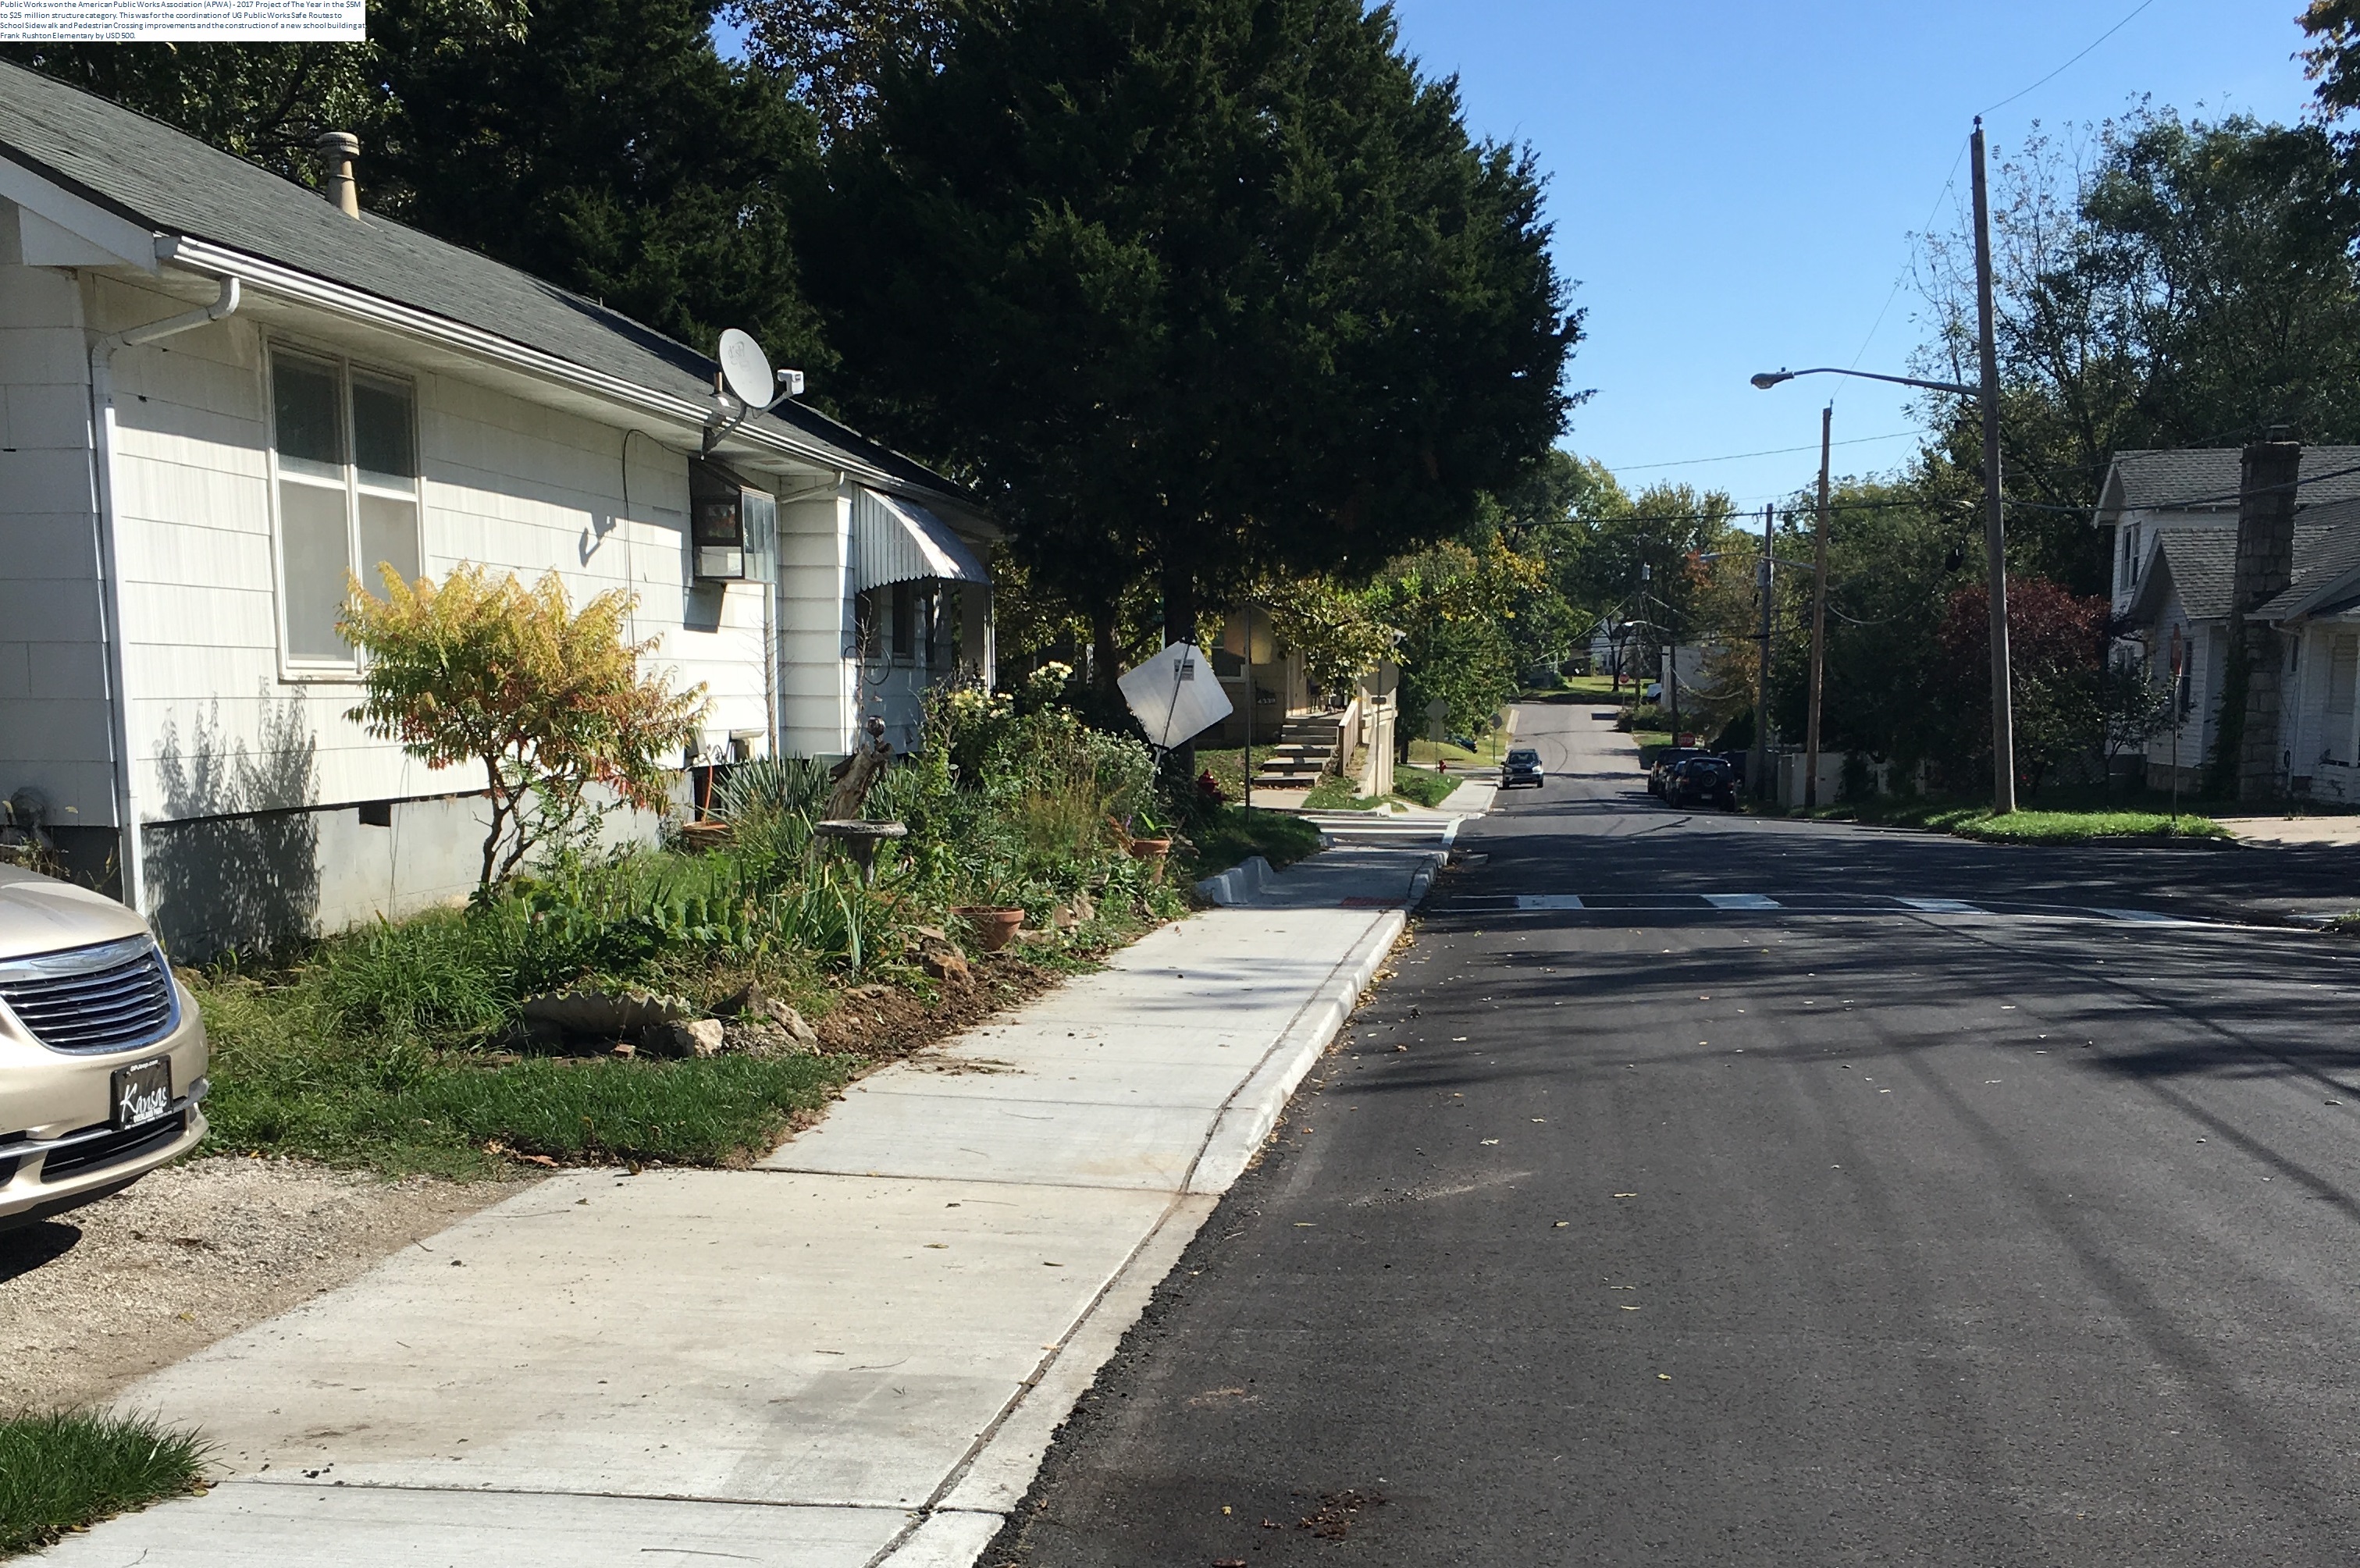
pixel 547 700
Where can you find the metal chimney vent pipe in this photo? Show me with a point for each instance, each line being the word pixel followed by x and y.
pixel 337 150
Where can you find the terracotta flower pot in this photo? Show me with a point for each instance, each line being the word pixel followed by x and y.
pixel 1150 848
pixel 994 928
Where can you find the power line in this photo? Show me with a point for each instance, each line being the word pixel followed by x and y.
pixel 1948 180
pixel 1767 452
pixel 2061 70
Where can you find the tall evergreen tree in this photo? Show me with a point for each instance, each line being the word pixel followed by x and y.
pixel 601 143
pixel 1202 288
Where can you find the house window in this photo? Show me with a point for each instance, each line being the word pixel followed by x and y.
pixel 905 620
pixel 344 453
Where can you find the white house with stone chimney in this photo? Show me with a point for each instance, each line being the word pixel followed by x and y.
pixel 2175 523
pixel 220 394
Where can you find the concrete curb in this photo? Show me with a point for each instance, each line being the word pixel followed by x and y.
pixel 975 1506
pixel 1238 884
pixel 1253 1110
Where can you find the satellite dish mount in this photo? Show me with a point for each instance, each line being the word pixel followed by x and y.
pixel 746 377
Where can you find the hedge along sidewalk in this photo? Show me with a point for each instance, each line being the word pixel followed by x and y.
pixel 855 1353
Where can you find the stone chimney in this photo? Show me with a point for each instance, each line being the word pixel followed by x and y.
pixel 2266 497
pixel 337 150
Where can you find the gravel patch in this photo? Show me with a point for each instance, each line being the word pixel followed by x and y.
pixel 100 1296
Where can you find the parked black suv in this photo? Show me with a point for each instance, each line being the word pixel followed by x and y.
pixel 1703 780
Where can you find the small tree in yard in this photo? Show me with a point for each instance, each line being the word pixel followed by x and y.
pixel 548 699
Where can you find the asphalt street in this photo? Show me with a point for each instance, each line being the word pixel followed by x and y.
pixel 1700 1190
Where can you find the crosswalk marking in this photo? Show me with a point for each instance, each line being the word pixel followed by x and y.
pixel 1943 905
pixel 1741 902
pixel 1548 901
pixel 1367 828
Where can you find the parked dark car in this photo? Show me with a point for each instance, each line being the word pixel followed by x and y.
pixel 1522 766
pixel 1671 756
pixel 1703 780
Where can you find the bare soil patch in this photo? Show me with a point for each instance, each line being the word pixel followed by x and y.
pixel 99 1297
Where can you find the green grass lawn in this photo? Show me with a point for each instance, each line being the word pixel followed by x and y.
pixel 1427 789
pixel 66 1470
pixel 2060 825
pixel 286 1082
pixel 1488 750
pixel 1580 689
pixel 1279 837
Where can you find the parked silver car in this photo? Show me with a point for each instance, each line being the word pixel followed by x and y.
pixel 102 1056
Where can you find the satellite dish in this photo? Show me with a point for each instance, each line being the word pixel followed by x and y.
pixel 746 369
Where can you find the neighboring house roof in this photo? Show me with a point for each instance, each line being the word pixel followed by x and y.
pixel 169 182
pixel 2201 565
pixel 2206 479
pixel 2326 572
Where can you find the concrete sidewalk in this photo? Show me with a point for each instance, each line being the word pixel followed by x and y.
pixel 853 1356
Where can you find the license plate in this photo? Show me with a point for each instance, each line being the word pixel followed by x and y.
pixel 142 1091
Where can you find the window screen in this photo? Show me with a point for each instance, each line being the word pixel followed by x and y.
pixel 348 497
pixel 388 538
pixel 381 434
pixel 310 417
pixel 314 550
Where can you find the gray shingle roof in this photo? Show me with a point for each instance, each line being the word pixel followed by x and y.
pixel 170 182
pixel 2330 555
pixel 2146 480
pixel 2201 565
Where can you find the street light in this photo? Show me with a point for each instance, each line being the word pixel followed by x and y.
pixel 1770 378
pixel 1986 394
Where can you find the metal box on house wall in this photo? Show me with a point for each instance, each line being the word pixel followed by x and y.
pixel 733 525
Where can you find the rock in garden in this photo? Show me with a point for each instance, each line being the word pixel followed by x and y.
pixel 609 1015
pixel 752 1002
pixel 944 962
pixel 758 1037
pixel 685 1037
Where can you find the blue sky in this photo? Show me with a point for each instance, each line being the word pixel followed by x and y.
pixel 1733 183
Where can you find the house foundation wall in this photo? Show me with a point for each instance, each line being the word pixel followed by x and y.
pixel 258 880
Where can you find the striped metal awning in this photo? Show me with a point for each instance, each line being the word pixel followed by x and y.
pixel 895 540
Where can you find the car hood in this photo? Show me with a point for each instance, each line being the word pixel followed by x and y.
pixel 41 914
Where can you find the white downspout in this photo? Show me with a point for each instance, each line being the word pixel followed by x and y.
pixel 131 859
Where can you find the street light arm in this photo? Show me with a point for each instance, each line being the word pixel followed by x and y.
pixel 1770 378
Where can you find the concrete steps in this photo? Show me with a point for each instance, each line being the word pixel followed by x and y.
pixel 1308 749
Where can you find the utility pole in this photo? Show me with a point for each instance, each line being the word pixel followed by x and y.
pixel 1995 519
pixel 1762 584
pixel 1818 617
pixel 1247 772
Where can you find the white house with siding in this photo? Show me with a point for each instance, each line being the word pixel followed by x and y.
pixel 219 393
pixel 2174 522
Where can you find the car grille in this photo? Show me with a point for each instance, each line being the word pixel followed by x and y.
pixel 114 996
pixel 115 1149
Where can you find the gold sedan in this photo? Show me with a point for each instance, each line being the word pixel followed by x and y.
pixel 102 1056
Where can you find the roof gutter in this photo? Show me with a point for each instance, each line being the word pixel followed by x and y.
pixel 131 860
pixel 370 310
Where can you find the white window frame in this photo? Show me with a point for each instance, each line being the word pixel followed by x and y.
pixel 312 669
